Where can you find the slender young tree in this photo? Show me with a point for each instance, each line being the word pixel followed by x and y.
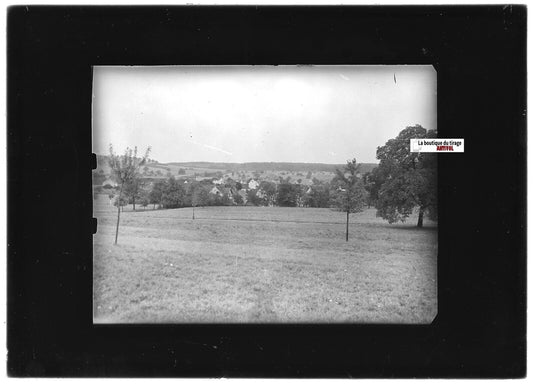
pixel 349 194
pixel 125 169
pixel 196 197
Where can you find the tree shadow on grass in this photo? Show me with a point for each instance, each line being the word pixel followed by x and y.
pixel 412 227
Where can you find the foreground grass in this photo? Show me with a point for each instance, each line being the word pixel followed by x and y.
pixel 254 264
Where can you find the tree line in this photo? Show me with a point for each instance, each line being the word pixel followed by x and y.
pixel 173 193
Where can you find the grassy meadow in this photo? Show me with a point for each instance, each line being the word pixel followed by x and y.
pixel 261 264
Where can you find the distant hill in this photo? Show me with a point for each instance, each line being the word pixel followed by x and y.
pixel 250 166
pixel 270 166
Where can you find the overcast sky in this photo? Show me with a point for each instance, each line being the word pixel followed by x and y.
pixel 319 114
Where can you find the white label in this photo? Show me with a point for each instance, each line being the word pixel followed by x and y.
pixel 437 145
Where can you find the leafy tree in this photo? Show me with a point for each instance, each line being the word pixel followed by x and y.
pixel 238 199
pixel 288 195
pixel 238 186
pixel 349 193
pixel 125 169
pixel 309 175
pixel 269 189
pixel 173 194
pixel 253 198
pixel 181 171
pixel 145 201
pixel 222 199
pixel 373 181
pixel 121 202
pixel 200 196
pixel 318 196
pixel 156 194
pixel 299 192
pixel 226 199
pixel 407 180
pixel 229 183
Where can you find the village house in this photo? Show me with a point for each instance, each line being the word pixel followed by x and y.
pixel 253 184
pixel 109 183
pixel 215 191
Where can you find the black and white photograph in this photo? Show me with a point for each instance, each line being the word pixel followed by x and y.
pixel 266 191
pixel 264 194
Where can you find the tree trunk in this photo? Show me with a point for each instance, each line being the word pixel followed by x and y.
pixel 347 220
pixel 154 206
pixel 118 216
pixel 420 218
pixel 133 203
pixel 192 212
